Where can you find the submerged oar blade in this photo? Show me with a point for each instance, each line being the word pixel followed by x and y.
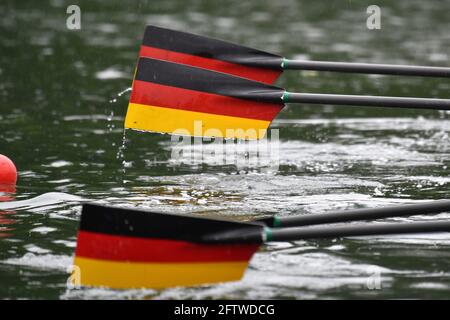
pixel 183 100
pixel 209 53
pixel 128 248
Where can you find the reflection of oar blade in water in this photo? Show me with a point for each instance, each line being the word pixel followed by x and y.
pixel 46 199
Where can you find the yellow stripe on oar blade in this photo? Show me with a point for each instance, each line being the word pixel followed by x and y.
pixel 125 275
pixel 190 123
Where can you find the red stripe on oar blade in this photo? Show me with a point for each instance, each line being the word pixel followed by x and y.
pixel 121 248
pixel 153 94
pixel 258 74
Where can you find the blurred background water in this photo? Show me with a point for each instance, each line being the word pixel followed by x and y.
pixel 63 97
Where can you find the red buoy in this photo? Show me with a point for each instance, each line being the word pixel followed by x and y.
pixel 8 171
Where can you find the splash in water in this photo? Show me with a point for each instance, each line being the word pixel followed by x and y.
pixel 121 93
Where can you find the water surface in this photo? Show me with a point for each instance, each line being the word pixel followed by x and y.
pixel 61 120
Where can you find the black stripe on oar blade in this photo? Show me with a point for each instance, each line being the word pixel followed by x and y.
pixel 147 224
pixel 198 79
pixel 179 99
pixel 129 248
pixel 209 53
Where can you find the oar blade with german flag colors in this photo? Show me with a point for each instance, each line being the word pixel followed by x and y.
pixel 128 248
pixel 178 99
pixel 208 53
pixel 184 100
pixel 228 57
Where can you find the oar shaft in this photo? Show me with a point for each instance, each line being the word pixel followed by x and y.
pixel 372 101
pixel 367 68
pixel 432 207
pixel 303 233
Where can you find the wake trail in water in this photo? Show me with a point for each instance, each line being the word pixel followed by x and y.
pixel 46 199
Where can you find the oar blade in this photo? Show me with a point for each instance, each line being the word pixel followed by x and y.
pixel 209 53
pixel 127 248
pixel 183 100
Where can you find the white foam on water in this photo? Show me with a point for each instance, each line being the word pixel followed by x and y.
pixel 107 294
pixel 430 285
pixel 373 123
pixel 42 201
pixel 41 261
pixel 269 277
pixel 429 239
pixel 69 244
pixel 43 230
pixel 110 73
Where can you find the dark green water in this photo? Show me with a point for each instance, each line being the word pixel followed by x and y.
pixel 61 120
